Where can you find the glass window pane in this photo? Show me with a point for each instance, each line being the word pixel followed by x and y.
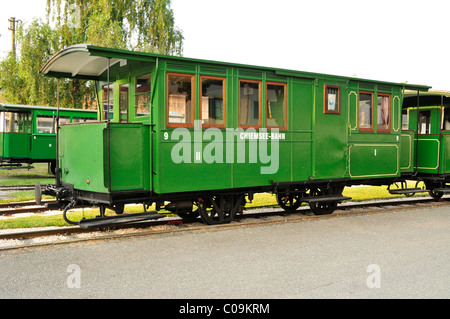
pixel 276 102
pixel 446 119
pixel 13 126
pixel 383 113
pixel 143 95
pixel 180 99
pixel 2 122
pixel 365 111
pixel 45 124
pixel 10 122
pixel 405 120
pixel 332 99
pixel 123 103
pixel 249 103
pixel 424 122
pixel 107 91
pixel 212 109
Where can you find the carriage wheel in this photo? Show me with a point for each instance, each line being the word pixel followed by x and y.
pixel 289 203
pixel 219 209
pixel 431 186
pixel 189 215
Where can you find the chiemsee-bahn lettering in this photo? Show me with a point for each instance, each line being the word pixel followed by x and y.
pixel 184 151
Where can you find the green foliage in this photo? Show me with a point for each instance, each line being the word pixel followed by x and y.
pixel 143 25
pixel 19 76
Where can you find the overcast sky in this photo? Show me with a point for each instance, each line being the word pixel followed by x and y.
pixel 389 40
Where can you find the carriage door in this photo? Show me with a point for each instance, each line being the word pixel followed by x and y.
pixel 330 131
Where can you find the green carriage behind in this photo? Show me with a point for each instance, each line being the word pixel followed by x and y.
pixel 426 124
pixel 28 133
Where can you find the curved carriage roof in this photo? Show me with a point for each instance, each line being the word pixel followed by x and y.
pixel 430 98
pixel 90 62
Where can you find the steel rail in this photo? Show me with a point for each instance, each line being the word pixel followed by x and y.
pixel 300 214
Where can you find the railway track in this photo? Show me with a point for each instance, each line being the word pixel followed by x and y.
pixel 24 207
pixel 257 216
pixel 16 188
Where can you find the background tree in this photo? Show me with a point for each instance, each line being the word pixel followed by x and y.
pixel 142 25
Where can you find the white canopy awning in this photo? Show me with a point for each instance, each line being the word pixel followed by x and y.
pixel 88 62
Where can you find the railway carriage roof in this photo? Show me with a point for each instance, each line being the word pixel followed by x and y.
pixel 90 62
pixel 20 107
pixel 430 98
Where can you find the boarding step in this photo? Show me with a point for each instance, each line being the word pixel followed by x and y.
pixel 117 220
pixel 442 190
pixel 407 191
pixel 328 198
pixel 15 166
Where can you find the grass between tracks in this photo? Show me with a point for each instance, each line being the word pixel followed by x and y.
pixel 41 174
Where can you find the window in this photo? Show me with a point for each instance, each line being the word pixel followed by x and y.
pixel 15 122
pixel 107 92
pixel 212 109
pixel 123 103
pixel 2 122
pixel 446 119
pixel 332 99
pixel 45 124
pixel 249 103
pixel 365 111
pixel 276 105
pixel 142 95
pixel 83 120
pixel 180 100
pixel 424 122
pixel 383 113
pixel 405 120
pixel 11 122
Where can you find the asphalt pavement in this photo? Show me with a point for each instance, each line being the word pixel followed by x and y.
pixel 399 254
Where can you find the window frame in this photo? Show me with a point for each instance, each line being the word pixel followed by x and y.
pixel 388 130
pixel 185 125
pixel 123 86
pixel 282 128
pixel 325 99
pixel 239 104
pixel 427 123
pixel 224 80
pixel 105 92
pixel 363 129
pixel 442 124
pixel 136 116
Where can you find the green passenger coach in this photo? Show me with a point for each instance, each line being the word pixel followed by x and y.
pixel 426 124
pixel 205 136
pixel 28 133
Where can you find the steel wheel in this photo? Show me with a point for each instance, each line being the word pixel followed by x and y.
pixel 189 215
pixel 218 209
pixel 289 203
pixel 431 186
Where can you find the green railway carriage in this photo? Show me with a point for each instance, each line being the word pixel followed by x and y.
pixel 205 135
pixel 426 122
pixel 28 133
